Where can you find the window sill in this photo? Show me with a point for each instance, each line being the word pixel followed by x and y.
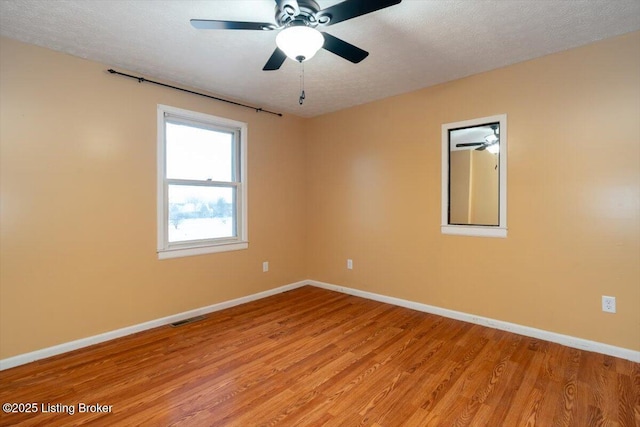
pixel 476 231
pixel 201 250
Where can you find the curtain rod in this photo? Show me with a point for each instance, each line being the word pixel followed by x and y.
pixel 142 79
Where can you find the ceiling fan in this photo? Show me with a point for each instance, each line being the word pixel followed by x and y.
pixel 298 22
pixel 491 141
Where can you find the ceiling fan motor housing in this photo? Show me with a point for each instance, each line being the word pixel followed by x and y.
pixel 302 12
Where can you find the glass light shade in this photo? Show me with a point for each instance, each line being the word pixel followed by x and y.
pixel 494 149
pixel 300 43
pixel 491 138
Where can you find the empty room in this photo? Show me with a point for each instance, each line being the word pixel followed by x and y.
pixel 320 213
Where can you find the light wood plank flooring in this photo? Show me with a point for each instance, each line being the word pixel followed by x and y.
pixel 312 357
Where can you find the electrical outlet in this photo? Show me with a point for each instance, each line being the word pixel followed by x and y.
pixel 265 266
pixel 608 304
pixel 350 264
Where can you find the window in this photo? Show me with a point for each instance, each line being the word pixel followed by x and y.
pixel 474 177
pixel 202 191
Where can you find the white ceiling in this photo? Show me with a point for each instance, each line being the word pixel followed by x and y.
pixel 415 44
pixel 472 134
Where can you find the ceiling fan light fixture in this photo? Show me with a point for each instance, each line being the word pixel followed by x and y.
pixel 494 149
pixel 491 138
pixel 300 42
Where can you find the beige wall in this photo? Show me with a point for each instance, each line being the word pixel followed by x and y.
pixel 77 187
pixel 573 196
pixel 473 188
pixel 484 199
pixel 459 186
pixel 78 192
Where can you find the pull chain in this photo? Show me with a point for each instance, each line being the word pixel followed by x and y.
pixel 302 95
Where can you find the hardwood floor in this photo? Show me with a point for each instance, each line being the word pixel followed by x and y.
pixel 312 357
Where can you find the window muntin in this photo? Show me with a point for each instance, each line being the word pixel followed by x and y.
pixel 201 183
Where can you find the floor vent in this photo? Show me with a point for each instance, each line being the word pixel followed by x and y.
pixel 186 321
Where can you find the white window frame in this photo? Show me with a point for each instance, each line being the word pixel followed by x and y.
pixel 205 246
pixel 476 230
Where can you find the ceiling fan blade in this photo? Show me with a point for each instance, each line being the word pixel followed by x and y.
pixel 470 144
pixel 350 9
pixel 275 61
pixel 343 49
pixel 212 24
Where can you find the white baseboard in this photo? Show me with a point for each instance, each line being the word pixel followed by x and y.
pixel 22 359
pixel 567 340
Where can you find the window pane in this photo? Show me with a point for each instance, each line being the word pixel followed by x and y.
pixel 197 212
pixel 198 153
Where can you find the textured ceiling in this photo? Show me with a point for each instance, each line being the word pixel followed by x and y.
pixel 415 44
